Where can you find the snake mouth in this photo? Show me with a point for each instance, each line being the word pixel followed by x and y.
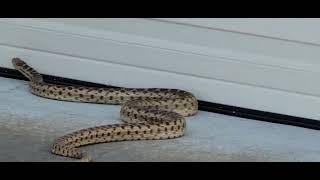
pixel 17 62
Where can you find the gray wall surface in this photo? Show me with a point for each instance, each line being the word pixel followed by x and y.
pixel 265 64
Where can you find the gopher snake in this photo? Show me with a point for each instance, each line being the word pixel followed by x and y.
pixel 148 114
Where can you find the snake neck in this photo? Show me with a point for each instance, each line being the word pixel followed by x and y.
pixel 26 70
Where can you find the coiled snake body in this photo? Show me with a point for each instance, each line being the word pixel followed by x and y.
pixel 148 114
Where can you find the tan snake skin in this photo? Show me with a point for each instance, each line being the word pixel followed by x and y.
pixel 148 114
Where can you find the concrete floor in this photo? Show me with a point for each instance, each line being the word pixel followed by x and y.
pixel 29 124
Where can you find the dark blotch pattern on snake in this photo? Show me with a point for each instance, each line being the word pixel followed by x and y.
pixel 148 114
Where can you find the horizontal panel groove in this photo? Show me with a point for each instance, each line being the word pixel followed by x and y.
pixel 273 80
pixel 209 66
pixel 79 58
pixel 228 26
pixel 173 46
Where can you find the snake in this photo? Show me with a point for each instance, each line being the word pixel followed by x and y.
pixel 146 113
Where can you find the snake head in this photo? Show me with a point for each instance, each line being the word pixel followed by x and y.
pixel 17 62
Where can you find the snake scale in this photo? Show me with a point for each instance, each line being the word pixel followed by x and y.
pixel 147 113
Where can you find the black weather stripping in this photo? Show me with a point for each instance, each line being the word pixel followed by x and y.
pixel 203 105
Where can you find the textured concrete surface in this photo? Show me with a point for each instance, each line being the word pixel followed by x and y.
pixel 29 124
